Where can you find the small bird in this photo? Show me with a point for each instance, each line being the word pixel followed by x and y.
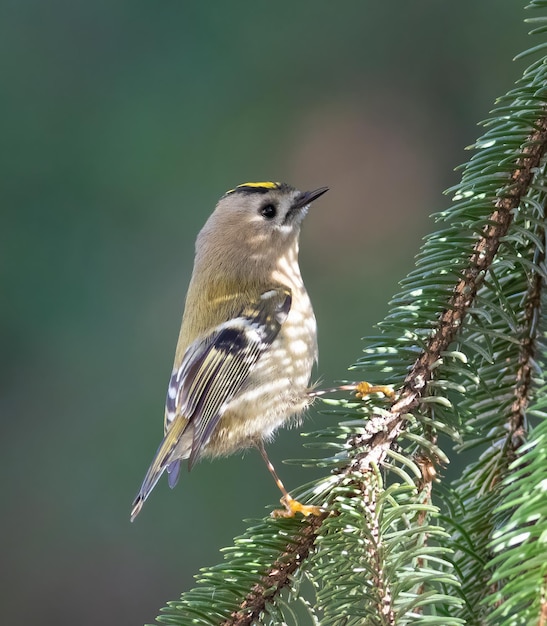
pixel 248 339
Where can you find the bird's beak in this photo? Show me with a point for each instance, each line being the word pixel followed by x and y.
pixel 306 197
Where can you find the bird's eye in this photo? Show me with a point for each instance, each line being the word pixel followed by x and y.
pixel 268 211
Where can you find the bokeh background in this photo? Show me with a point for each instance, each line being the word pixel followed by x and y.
pixel 122 123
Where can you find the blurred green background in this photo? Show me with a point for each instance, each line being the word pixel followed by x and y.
pixel 122 124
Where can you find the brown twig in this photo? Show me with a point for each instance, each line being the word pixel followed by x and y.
pixel 374 544
pixel 532 309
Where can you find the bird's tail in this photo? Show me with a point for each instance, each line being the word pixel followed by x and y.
pixel 163 458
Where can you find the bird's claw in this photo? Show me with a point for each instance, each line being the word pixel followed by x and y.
pixel 292 507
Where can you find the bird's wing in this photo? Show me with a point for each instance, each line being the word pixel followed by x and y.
pixel 216 366
pixel 212 371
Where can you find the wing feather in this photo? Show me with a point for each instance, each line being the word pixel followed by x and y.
pixel 214 368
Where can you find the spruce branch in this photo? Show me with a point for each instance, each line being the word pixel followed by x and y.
pixel 385 430
pixel 384 599
pixel 277 577
pixel 528 350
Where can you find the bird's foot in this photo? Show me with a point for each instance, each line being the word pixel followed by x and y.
pixel 292 507
pixel 363 389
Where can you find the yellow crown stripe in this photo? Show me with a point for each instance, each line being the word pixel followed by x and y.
pixel 266 185
pixel 262 185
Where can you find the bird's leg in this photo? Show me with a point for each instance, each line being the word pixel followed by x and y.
pixel 361 389
pixel 291 505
